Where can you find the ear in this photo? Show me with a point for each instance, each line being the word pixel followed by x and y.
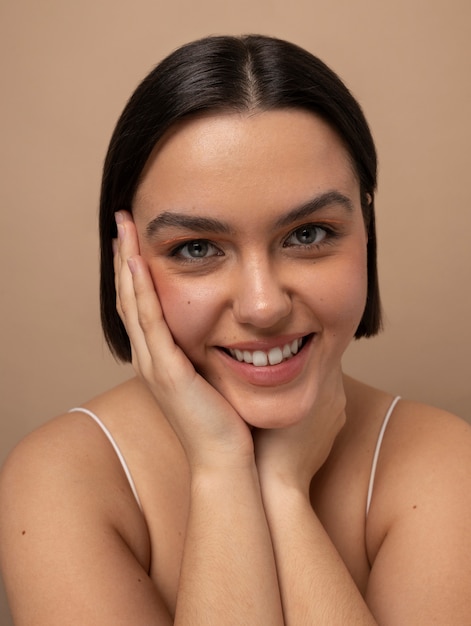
pixel 369 200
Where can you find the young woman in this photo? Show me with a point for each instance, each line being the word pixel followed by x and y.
pixel 241 477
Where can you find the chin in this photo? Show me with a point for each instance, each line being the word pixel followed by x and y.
pixel 273 411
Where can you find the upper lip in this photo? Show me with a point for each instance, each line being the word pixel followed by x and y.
pixel 265 344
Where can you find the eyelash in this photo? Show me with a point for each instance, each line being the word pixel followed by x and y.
pixel 177 252
pixel 330 234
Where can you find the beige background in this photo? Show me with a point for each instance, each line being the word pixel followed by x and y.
pixel 68 67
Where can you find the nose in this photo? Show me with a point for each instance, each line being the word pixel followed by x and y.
pixel 262 299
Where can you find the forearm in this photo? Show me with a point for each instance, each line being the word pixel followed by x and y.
pixel 228 571
pixel 316 587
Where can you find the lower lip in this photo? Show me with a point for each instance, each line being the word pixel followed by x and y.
pixel 270 375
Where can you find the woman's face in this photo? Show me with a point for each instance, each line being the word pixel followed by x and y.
pixel 252 228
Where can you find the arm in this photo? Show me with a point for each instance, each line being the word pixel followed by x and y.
pixel 418 532
pixel 73 544
pixel 315 584
pixel 316 587
pixel 219 448
pixel 420 536
pixel 74 547
pixel 228 573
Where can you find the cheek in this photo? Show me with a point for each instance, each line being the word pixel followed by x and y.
pixel 343 294
pixel 188 310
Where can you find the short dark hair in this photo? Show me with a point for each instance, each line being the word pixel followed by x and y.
pixel 226 73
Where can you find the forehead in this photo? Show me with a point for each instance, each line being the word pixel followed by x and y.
pixel 276 158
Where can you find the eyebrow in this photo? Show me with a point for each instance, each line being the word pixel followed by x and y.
pixel 322 201
pixel 169 219
pixel 190 222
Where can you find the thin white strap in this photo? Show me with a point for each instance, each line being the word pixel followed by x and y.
pixel 115 447
pixel 377 451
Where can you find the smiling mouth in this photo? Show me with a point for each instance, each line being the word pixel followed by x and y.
pixel 274 356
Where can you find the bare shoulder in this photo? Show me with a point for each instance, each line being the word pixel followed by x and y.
pixel 71 531
pixel 418 530
pixel 415 433
pixel 425 460
pixel 64 466
pixel 425 445
pixel 72 450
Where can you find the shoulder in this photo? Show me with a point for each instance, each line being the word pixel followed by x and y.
pixel 69 464
pixel 415 431
pixel 424 471
pixel 426 439
pixel 63 471
pixel 66 444
pixel 418 529
pixel 72 447
pixel 51 453
pixel 142 432
pixel 71 532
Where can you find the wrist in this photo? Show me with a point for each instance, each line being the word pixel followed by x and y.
pixel 285 506
pixel 208 476
pixel 280 489
pixel 280 475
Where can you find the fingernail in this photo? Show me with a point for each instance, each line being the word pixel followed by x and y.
pixel 118 217
pixel 132 265
pixel 120 230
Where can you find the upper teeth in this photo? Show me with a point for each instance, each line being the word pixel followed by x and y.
pixel 260 358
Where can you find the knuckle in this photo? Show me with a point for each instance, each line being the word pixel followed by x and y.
pixel 146 321
pixel 123 304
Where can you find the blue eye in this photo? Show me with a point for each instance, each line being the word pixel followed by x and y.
pixel 306 236
pixel 196 249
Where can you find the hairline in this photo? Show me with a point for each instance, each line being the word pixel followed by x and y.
pixel 248 111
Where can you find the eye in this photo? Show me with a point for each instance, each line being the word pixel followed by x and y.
pixel 196 249
pixel 306 236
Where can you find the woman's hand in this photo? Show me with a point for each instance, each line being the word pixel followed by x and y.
pixel 210 430
pixel 290 457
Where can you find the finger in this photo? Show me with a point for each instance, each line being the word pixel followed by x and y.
pixel 118 264
pixel 127 246
pixel 145 304
pixel 156 356
pixel 158 337
pixel 194 408
pixel 125 299
pixel 117 268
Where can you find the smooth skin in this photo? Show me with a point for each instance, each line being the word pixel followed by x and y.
pixel 246 234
